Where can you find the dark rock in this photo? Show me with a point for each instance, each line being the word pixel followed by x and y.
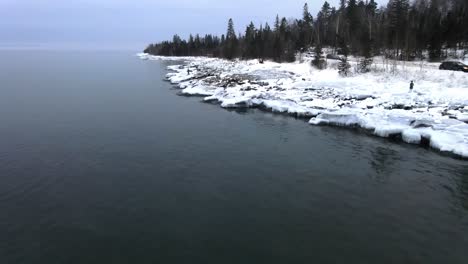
pixel 420 124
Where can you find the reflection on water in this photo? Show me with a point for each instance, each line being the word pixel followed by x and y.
pixel 384 162
pixel 461 181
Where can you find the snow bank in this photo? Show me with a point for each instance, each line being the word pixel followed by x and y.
pixel 443 134
pixel 435 112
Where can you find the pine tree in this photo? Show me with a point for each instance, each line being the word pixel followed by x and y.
pixel 230 50
pixel 344 66
pixel 435 43
pixel 279 39
pixel 305 28
pixel 319 61
pixel 277 23
pixel 323 21
pixel 398 17
pixel 250 42
pixel 353 20
pixel 268 40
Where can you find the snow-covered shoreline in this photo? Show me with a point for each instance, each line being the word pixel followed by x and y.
pixel 380 102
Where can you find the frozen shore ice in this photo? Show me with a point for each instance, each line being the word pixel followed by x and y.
pixel 380 102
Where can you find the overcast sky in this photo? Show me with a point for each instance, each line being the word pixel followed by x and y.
pixel 132 23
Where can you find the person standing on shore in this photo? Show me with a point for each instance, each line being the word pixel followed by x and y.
pixel 411 87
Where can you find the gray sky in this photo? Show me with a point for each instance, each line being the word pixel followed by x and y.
pixel 132 23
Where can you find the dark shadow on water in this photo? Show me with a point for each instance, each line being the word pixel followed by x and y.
pixel 383 162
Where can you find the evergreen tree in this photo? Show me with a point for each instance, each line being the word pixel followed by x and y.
pixel 319 61
pixel 344 66
pixel 305 28
pixel 323 21
pixel 250 40
pixel 397 30
pixel 230 46
pixel 402 29
pixel 353 20
pixel 435 42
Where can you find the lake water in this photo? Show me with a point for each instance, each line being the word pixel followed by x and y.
pixel 102 162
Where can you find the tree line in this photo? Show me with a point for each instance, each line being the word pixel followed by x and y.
pixel 402 30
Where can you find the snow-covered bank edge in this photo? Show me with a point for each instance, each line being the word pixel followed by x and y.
pixel 434 115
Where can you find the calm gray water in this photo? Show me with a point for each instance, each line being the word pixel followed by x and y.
pixel 102 162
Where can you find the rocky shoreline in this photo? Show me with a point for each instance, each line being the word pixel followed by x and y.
pixel 380 103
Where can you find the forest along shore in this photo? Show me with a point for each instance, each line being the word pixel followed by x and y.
pixel 435 113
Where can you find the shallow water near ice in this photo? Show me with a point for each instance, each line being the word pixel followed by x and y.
pixel 102 162
pixel 378 102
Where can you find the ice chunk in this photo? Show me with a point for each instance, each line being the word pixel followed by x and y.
pixel 338 118
pixel 463 117
pixel 389 130
pixel 449 142
pixel 198 90
pixel 411 136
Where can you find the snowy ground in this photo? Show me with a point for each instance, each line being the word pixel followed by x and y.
pixel 435 113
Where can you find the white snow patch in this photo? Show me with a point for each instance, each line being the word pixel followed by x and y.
pixel 411 136
pixel 198 90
